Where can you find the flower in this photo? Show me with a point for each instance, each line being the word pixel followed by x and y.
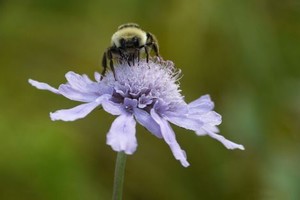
pixel 147 93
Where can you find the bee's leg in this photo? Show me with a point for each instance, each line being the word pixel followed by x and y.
pixel 111 64
pixel 128 60
pixel 152 44
pixel 121 54
pixel 104 64
pixel 122 57
pixel 138 55
pixel 133 58
pixel 155 49
pixel 147 53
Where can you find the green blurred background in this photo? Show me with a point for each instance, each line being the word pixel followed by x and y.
pixel 245 54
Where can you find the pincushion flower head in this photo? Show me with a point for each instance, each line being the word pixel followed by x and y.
pixel 147 93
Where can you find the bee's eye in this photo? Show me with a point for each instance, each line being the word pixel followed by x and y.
pixel 122 42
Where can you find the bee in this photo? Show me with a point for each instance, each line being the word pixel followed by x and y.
pixel 127 44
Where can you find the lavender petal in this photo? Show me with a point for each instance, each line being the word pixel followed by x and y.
pixel 227 143
pixel 169 136
pixel 111 107
pixel 121 136
pixel 43 86
pixel 75 95
pixel 97 76
pixel 211 118
pixel 75 113
pixel 204 103
pixel 207 128
pixel 184 121
pixel 147 121
pixel 78 82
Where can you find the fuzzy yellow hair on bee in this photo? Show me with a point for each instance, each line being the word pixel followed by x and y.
pixel 127 44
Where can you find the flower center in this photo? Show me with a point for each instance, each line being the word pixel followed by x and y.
pixel 145 83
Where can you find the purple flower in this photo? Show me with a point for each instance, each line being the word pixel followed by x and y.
pixel 147 93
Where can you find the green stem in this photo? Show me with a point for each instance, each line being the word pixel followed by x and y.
pixel 119 176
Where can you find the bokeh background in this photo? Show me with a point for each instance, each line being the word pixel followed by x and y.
pixel 245 54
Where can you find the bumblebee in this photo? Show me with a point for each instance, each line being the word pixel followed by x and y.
pixel 127 44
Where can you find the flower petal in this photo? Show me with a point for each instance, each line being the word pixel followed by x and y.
pixel 97 76
pixel 211 118
pixel 121 136
pixel 75 113
pixel 111 107
pixel 169 136
pixel 227 143
pixel 147 121
pixel 184 121
pixel 83 84
pixel 78 82
pixel 75 95
pixel 209 128
pixel 78 112
pixel 43 86
pixel 204 102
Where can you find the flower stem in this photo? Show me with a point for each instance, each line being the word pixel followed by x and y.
pixel 119 176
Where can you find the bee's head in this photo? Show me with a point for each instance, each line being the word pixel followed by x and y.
pixel 129 42
pixel 128 37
